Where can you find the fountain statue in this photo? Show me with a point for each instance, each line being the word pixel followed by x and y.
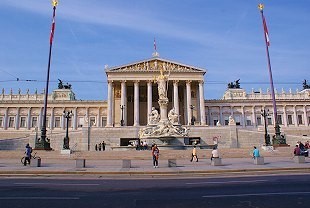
pixel 165 126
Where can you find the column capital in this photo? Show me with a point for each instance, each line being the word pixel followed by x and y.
pixel 201 81
pixel 188 82
pixel 176 81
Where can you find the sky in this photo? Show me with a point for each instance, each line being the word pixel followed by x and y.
pixel 225 37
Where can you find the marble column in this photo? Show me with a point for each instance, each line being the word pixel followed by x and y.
pixel 149 98
pixel 40 121
pixel 284 116
pixel 305 116
pixel 189 102
pixel 29 119
pixel 295 116
pixel 110 106
pixel 202 104
pixel 6 119
pixel 243 117
pixel 52 119
pixel 221 116
pixel 75 118
pixel 98 118
pixel 123 103
pixel 17 119
pixel 176 96
pixel 253 117
pixel 136 103
pixel 63 120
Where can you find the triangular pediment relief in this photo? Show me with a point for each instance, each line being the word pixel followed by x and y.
pixel 154 65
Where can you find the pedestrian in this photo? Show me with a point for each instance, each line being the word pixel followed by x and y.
pixel 96 147
pixel 297 150
pixel 155 154
pixel 255 153
pixel 103 146
pixel 99 146
pixel 215 153
pixel 307 145
pixel 194 154
pixel 27 154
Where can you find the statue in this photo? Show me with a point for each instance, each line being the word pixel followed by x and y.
pixel 162 84
pixel 154 116
pixel 60 85
pixel 173 117
pixel 305 85
pixel 231 120
pixel 235 85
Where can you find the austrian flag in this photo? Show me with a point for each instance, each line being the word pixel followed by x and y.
pixel 266 31
pixel 53 28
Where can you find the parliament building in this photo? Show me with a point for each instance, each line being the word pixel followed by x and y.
pixel 132 93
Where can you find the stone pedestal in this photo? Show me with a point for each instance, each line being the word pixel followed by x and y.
pixel 126 164
pixel 172 163
pixel 35 162
pixel 216 161
pixel 299 159
pixel 259 161
pixel 80 163
pixel 65 151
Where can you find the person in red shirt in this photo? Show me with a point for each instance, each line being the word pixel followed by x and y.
pixel 297 150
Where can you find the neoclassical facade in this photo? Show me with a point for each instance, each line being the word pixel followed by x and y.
pixel 133 92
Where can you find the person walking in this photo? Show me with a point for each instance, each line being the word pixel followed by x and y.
pixel 103 146
pixel 255 153
pixel 155 154
pixel 27 154
pixel 96 147
pixel 194 154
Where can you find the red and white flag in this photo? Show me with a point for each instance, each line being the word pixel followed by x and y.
pixel 53 28
pixel 266 31
pixel 155 45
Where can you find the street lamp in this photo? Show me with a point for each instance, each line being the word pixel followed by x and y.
pixel 267 136
pixel 122 109
pixel 67 115
pixel 192 119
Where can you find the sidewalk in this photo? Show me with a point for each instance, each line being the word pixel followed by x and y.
pixel 109 167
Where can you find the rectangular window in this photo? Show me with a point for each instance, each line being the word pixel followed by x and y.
pixel 248 121
pixel 1 122
pixel 22 122
pixel 92 121
pixel 290 119
pixel 226 120
pixel 238 120
pixel 47 122
pixel 299 119
pixel 280 119
pixel 57 122
pixel 103 121
pixel 12 122
pixel 34 122
pixel 80 122
pixel 70 122
pixel 269 120
pixel 259 120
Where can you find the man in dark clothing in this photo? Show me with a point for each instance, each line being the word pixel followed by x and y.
pixel 27 154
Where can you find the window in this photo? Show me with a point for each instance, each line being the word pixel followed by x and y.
pixel 226 120
pixel 34 122
pixel 92 121
pixel 103 121
pixel 80 121
pixel 1 122
pixel 22 122
pixel 47 122
pixel 299 119
pixel 259 120
pixel 238 120
pixel 290 119
pixel 11 122
pixel 57 122
pixel 280 119
pixel 269 120
pixel 248 121
pixel 215 120
pixel 69 122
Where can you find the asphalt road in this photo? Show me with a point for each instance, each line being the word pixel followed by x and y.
pixel 253 191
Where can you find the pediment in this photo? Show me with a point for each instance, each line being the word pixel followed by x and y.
pixel 155 64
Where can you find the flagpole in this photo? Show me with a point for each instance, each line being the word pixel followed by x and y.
pixel 278 138
pixel 43 143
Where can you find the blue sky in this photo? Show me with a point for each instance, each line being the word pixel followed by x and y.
pixel 224 37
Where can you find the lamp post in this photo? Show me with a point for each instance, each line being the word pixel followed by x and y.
pixel 267 136
pixel 192 119
pixel 67 115
pixel 122 119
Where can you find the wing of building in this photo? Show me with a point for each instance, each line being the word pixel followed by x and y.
pixel 235 120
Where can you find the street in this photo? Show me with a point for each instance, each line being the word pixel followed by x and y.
pixel 250 191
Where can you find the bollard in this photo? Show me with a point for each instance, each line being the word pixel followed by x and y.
pixel 80 163
pixel 35 162
pixel 126 164
pixel 259 161
pixel 172 163
pixel 216 161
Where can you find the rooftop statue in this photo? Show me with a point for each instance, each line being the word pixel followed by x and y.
pixel 305 85
pixel 62 86
pixel 234 85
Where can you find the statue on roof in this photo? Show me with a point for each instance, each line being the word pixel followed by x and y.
pixel 60 85
pixel 305 85
pixel 234 85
